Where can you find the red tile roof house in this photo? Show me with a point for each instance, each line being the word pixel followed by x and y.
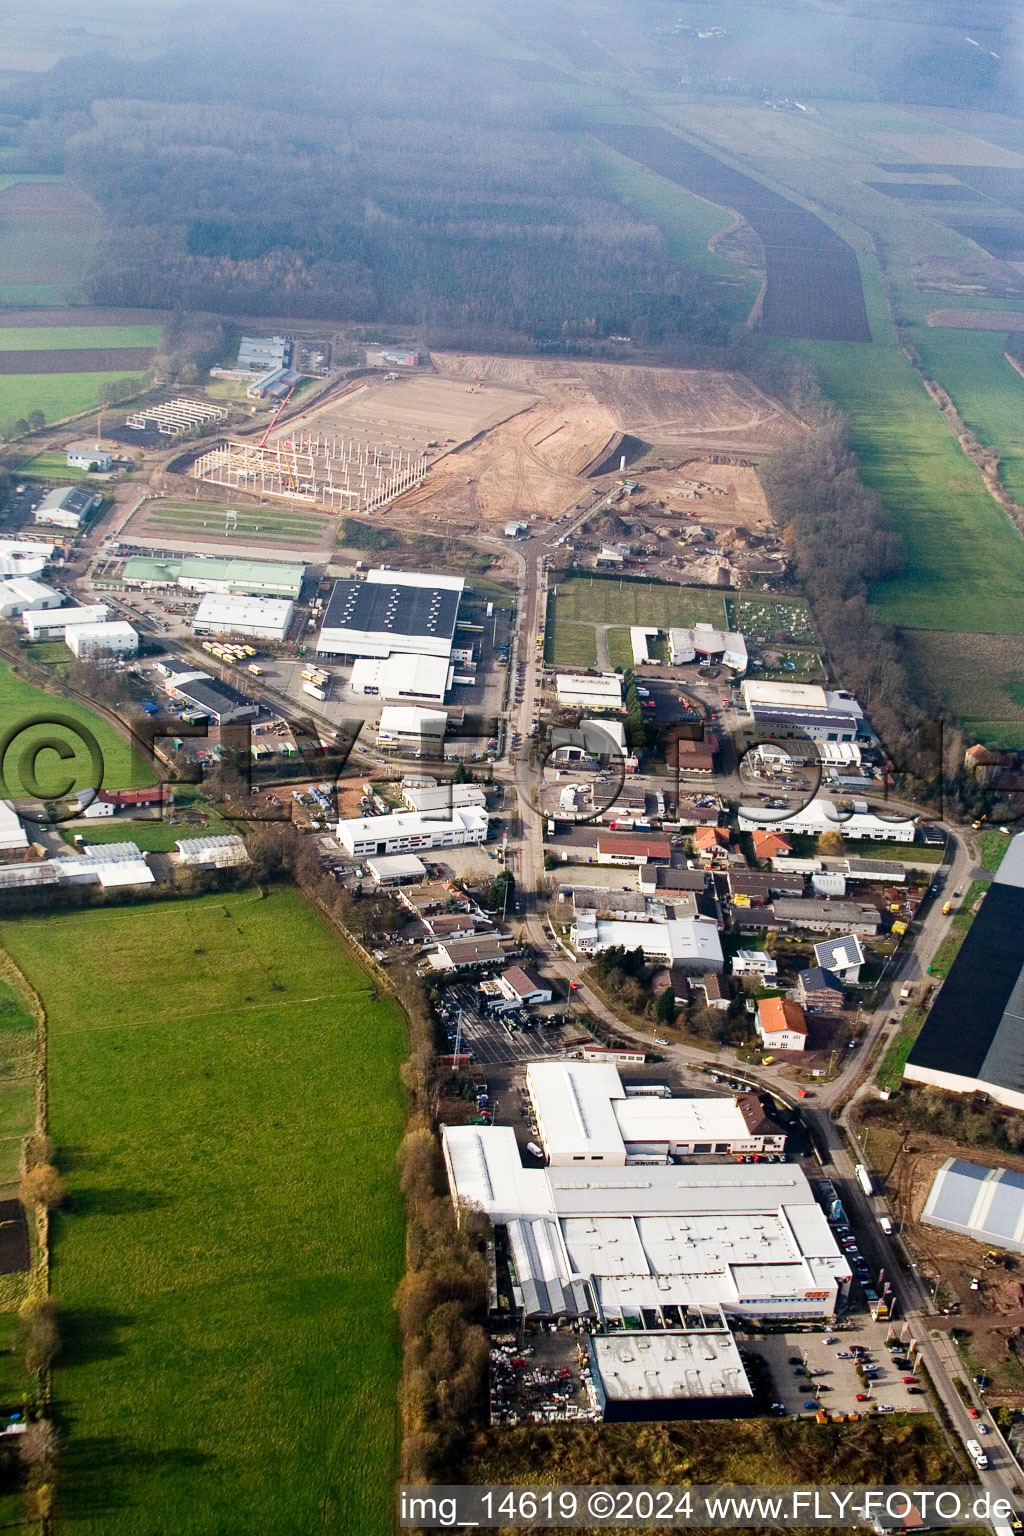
pixel 781 1024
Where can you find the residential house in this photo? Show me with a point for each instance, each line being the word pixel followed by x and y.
pixel 843 957
pixel 820 991
pixel 780 1023
pixel 755 962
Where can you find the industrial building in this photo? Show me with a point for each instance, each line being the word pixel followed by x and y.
pixel 402 676
pixel 107 864
pixel 693 1372
pixel 984 1203
pixel 410 831
pixel 396 869
pixel 584 1114
pixel 706 643
pixel 12 833
pixel 598 691
pixel 23 557
pixel 818 713
pixel 822 816
pixel 197 573
pixel 689 942
pixel 971 1038
pixel 53 623
pixel 221 851
pixel 260 354
pixel 407 727
pixel 111 637
pixel 91 458
pixel 218 701
pixel 389 612
pixel 66 507
pixel 826 916
pixel 263 618
pixel 446 796
pixel 643 1248
pixel 20 593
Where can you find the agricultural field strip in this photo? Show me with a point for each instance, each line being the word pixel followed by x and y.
pixel 147 1020
pixel 813 288
pixel 77 337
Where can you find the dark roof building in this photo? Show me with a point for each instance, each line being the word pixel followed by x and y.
pixel 819 990
pixel 391 611
pixel 660 877
pixel 755 886
pixel 219 701
pixel 973 1038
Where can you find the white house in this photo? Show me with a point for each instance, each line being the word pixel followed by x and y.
pixel 780 1023
pixel 91 458
pixel 843 957
pixel 53 624
pixel 755 962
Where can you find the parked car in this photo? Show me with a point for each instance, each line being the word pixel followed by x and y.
pixel 862 1397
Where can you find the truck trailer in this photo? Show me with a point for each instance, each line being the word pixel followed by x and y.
pixel 864 1179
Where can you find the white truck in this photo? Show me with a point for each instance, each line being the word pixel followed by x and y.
pixel 977 1455
pixel 886 1225
pixel 906 992
pixel 864 1179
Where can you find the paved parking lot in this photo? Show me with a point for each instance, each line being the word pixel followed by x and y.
pixel 490 1038
pixel 836 1380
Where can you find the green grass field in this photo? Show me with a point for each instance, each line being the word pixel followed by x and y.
pixel 603 600
pixel 992 845
pixel 17 1080
pixel 986 390
pixel 965 560
pixel 571 645
pixel 150 836
pixel 224 1084
pixel 55 394
pixel 258 524
pixel 620 649
pixel 981 678
pixel 20 701
pixel 72 338
pixel 51 466
pixel 890 1072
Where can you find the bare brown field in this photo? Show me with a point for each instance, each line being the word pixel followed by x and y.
pixel 742 506
pixel 977 319
pixel 30 319
pixel 533 463
pixel 59 199
pixel 410 412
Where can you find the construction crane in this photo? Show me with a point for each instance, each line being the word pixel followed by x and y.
pixel 272 423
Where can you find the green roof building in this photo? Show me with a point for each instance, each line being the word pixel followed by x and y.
pixel 249 578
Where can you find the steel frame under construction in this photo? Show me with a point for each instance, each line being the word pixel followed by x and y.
pixel 324 471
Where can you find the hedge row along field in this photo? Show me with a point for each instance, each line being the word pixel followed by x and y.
pixel 224 1088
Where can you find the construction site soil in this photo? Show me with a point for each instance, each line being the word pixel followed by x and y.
pixel 571 417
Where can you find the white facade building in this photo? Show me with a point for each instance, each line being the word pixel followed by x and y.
pixel 12 833
pixel 584 1114
pixel 446 796
pixel 222 851
pixel 823 816
pixel 748 1238
pixel 265 618
pixel 20 593
pixel 410 832
pixel 690 942
pixel 407 725
pixel 23 557
pixel 52 623
pixel 754 962
pixel 705 642
pixel 603 691
pixel 90 458
pixel 115 637
pixel 405 675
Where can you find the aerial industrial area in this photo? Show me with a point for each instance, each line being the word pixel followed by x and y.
pixel 511 767
pixel 584 762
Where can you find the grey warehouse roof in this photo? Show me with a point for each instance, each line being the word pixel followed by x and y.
pixel 985 1203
